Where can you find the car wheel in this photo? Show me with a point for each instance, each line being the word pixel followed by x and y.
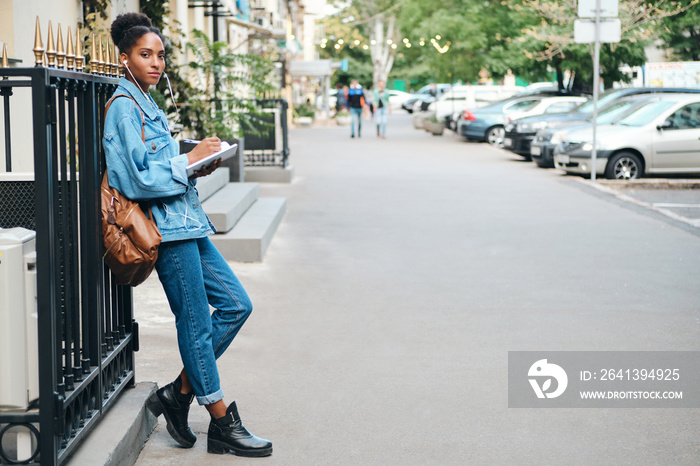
pixel 495 136
pixel 624 166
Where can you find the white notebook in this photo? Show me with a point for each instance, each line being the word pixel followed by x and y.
pixel 227 151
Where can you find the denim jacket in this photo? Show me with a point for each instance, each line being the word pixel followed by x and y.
pixel 153 172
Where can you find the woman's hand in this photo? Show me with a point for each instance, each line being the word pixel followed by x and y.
pixel 204 149
pixel 207 170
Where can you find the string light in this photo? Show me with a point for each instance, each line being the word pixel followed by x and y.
pixel 406 42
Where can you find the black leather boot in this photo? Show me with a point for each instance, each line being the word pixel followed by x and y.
pixel 228 434
pixel 175 407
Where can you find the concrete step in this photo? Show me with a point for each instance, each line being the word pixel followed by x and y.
pixel 208 185
pixel 249 239
pixel 270 174
pixel 226 206
pixel 121 434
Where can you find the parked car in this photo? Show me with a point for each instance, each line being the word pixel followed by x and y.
pixel 541 86
pixel 461 98
pixel 397 98
pixel 660 137
pixel 542 147
pixel 488 123
pixel 521 135
pixel 424 93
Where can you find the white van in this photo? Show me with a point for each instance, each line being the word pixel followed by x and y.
pixel 461 98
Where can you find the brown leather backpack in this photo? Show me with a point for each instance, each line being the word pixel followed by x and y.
pixel 130 238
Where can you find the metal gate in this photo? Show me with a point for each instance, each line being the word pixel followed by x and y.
pixel 87 335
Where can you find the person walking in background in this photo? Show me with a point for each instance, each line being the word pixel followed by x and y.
pixel 340 102
pixel 369 102
pixel 381 102
pixel 356 104
pixel 144 163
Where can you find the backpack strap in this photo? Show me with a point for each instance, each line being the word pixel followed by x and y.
pixel 143 120
pixel 143 136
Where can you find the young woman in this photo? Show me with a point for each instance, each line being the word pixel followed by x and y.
pixel 144 164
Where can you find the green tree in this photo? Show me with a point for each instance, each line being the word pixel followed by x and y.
pixel 680 34
pixel 551 37
pixel 364 30
pixel 229 87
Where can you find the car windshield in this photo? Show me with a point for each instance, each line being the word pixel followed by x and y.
pixel 603 99
pixel 646 113
pixel 613 111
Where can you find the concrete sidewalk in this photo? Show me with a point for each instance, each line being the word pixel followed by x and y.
pixel 403 273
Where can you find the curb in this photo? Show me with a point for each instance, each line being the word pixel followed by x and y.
pixel 649 184
pixel 121 435
pixel 616 188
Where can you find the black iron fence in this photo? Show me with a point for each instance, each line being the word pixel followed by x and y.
pixel 266 143
pixel 87 335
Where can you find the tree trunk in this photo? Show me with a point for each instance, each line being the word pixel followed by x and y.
pixel 382 53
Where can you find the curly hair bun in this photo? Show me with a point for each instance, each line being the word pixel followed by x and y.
pixel 125 22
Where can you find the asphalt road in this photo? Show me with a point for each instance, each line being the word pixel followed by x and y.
pixel 404 271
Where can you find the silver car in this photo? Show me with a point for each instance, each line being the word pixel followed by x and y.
pixel 660 137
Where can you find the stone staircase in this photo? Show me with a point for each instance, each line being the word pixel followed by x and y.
pixel 244 221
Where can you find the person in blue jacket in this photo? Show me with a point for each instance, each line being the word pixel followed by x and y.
pixel 193 273
pixel 356 104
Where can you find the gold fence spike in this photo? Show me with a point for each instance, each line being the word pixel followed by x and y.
pixel 79 58
pixel 100 55
pixel 38 45
pixel 108 60
pixel 5 62
pixel 94 62
pixel 70 53
pixel 50 48
pixel 60 52
pixel 115 60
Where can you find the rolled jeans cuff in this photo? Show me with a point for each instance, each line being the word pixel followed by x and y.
pixel 213 398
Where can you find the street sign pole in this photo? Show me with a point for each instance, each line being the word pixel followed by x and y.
pixel 607 30
pixel 596 88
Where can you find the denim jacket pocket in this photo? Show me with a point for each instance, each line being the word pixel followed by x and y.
pixel 157 144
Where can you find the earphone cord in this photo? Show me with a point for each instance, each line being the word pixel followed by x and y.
pixel 185 216
pixel 172 96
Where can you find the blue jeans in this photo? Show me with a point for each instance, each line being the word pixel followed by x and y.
pixel 195 275
pixel 380 118
pixel 355 119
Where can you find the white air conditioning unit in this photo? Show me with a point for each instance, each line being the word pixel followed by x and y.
pixel 19 349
